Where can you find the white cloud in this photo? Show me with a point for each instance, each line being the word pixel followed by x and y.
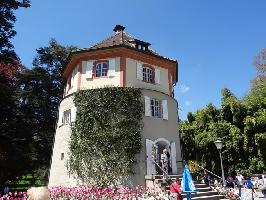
pixel 188 103
pixel 184 88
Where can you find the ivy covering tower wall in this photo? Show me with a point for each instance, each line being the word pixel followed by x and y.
pixel 106 135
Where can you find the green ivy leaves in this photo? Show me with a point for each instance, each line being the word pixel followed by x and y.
pixel 106 135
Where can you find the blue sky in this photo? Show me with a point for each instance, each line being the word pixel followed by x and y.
pixel 214 41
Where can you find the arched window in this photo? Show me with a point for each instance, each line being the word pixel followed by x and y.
pixel 101 69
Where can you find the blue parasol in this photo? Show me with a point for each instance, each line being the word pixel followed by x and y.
pixel 187 183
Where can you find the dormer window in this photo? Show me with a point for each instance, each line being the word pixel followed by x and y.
pixel 141 47
pixel 101 69
pixel 148 74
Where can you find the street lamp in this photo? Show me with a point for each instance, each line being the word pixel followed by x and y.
pixel 219 146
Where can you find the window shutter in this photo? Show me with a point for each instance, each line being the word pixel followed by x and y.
pixel 111 70
pixel 89 66
pixel 157 76
pixel 75 77
pixel 147 106
pixel 173 158
pixel 165 109
pixel 84 63
pixel 73 114
pixel 139 71
pixel 150 163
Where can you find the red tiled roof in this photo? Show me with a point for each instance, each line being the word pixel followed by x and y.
pixel 121 38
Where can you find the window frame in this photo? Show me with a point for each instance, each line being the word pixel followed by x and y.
pixel 156 108
pixel 95 68
pixel 151 74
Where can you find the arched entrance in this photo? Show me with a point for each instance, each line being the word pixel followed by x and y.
pixel 154 150
pixel 162 144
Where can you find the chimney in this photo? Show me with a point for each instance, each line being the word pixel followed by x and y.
pixel 118 28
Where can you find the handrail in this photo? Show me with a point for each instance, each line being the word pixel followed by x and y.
pixel 206 170
pixel 160 167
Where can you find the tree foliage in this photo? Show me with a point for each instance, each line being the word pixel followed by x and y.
pixel 240 123
pixel 106 134
pixel 7 32
pixel 15 135
pixel 29 102
pixel 41 90
pixel 260 65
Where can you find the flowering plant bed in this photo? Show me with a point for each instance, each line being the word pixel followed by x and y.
pixel 14 196
pixel 97 193
pixel 121 193
pixel 228 193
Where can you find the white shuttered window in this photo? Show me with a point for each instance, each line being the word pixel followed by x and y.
pixel 156 108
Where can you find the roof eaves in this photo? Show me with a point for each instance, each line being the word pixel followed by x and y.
pixel 84 50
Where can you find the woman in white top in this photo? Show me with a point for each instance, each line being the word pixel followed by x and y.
pixel 164 162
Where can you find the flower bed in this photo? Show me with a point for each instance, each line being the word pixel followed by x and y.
pixel 14 196
pixel 86 193
pixel 228 193
pixel 109 193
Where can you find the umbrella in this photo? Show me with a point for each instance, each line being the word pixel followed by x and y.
pixel 187 182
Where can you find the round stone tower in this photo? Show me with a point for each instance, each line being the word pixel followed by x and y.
pixel 123 61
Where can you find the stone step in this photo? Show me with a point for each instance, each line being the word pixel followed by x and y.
pixel 207 189
pixel 212 197
pixel 199 194
pixel 204 189
pixel 172 176
pixel 200 185
pixel 204 192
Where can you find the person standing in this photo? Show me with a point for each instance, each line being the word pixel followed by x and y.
pixel 262 185
pixel 175 190
pixel 239 179
pixel 164 162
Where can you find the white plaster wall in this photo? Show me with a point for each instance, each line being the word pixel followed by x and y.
pixel 58 172
pixel 155 128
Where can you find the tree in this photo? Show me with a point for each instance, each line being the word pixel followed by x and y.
pixel 260 65
pixel 14 130
pixel 41 89
pixel 15 138
pixel 7 32
pixel 53 58
pixel 240 123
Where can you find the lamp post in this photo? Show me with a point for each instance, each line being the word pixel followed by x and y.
pixel 219 146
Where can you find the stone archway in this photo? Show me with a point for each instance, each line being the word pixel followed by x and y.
pixel 154 150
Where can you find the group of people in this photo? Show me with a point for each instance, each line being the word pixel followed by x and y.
pixel 239 182
pixel 175 189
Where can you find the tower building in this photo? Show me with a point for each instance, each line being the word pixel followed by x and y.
pixel 123 61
